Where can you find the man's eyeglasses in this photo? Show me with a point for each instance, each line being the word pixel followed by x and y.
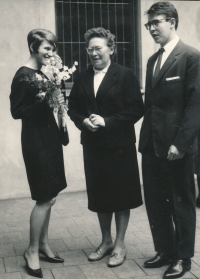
pixel 90 50
pixel 154 23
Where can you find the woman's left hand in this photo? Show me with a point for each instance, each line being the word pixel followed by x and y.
pixel 97 120
pixel 60 99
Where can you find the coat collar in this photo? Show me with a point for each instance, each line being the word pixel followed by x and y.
pixel 168 63
pixel 107 82
pixel 88 77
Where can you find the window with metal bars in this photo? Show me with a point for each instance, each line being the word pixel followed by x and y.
pixel 121 17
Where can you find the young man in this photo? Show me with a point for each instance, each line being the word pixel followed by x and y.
pixel 168 142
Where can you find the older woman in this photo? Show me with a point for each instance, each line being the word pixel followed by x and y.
pixel 104 104
pixel 42 141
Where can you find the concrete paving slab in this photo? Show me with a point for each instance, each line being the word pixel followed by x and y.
pixel 13 264
pixel 76 257
pixel 75 243
pixel 196 274
pixel 7 250
pixel 2 267
pixel 15 275
pixel 47 274
pixel 133 253
pixel 74 233
pixel 100 271
pixel 128 269
pixel 72 272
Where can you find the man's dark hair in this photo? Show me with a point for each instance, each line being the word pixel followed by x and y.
pixel 164 8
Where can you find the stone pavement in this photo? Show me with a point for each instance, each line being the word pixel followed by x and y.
pixel 74 232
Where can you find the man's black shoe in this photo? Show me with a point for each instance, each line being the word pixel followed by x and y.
pixel 177 269
pixel 159 260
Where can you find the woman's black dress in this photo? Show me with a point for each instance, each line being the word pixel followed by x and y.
pixel 40 137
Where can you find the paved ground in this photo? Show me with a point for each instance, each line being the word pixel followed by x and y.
pixel 74 233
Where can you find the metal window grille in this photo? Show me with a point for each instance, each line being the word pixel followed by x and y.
pixel 75 17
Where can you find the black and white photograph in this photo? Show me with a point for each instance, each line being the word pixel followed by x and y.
pixel 100 139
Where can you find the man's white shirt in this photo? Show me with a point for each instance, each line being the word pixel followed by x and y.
pixel 167 50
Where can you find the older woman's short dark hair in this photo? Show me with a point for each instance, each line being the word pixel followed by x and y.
pixel 164 8
pixel 100 32
pixel 37 36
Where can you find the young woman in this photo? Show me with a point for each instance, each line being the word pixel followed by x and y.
pixel 42 141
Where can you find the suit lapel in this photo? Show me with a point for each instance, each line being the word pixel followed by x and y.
pixel 88 82
pixel 169 62
pixel 107 81
pixel 150 68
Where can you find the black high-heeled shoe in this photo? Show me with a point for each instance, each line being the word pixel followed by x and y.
pixel 55 259
pixel 33 272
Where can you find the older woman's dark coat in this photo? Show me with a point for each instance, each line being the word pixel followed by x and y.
pixel 40 137
pixel 110 161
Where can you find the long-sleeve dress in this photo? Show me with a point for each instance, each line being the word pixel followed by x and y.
pixel 41 138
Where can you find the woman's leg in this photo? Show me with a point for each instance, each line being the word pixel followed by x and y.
pixel 44 243
pixel 38 218
pixel 121 219
pixel 105 220
pixel 106 245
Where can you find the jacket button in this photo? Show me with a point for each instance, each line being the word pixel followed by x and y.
pixel 153 106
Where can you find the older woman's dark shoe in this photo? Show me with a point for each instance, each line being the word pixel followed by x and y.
pixel 116 259
pixel 177 269
pixel 55 259
pixel 33 272
pixel 99 253
pixel 159 260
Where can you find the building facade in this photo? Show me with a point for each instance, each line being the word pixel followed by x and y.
pixel 69 19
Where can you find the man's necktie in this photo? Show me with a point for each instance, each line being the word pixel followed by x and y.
pixel 157 69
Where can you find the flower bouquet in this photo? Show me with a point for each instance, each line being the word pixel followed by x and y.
pixel 52 83
pixel 58 74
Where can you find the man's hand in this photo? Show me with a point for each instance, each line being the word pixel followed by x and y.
pixel 97 120
pixel 174 153
pixel 88 125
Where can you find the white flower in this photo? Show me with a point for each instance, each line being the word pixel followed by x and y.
pixel 61 74
pixel 76 63
pixel 43 94
pixel 65 68
pixel 73 69
pixel 56 70
pixel 70 71
pixel 66 76
pixel 59 65
pixel 58 81
pixel 53 63
pixel 38 77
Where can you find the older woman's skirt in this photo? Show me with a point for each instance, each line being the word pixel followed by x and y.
pixel 112 178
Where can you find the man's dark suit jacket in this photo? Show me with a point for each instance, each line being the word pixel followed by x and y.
pixel 172 103
pixel 118 101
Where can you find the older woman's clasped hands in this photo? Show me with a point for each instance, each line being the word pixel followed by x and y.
pixel 94 122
